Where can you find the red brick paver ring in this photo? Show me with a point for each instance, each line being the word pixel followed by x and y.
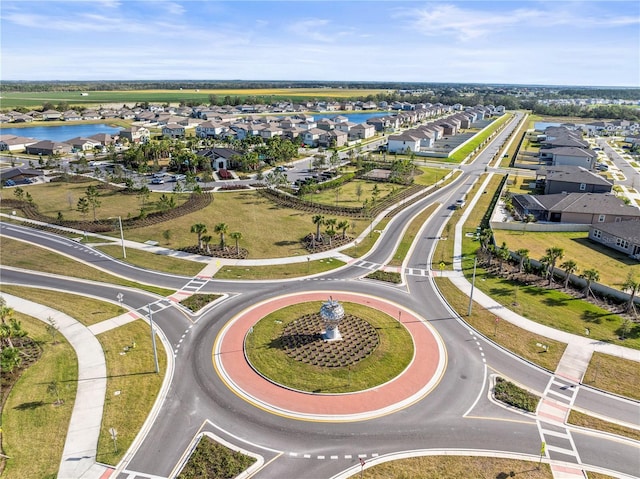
pixel 414 383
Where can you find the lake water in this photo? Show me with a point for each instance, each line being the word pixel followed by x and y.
pixel 67 132
pixel 60 133
pixel 542 125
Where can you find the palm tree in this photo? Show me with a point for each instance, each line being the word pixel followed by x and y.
pixel 554 253
pixel 544 266
pixel 633 287
pixel 485 238
pixel 237 236
pixel 199 229
pixel 343 225
pixel 318 220
pixel 206 240
pixel 590 275
pixel 221 229
pixel 330 233
pixel 569 268
pixel 503 255
pixel 523 254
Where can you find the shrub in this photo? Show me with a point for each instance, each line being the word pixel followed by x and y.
pixel 508 393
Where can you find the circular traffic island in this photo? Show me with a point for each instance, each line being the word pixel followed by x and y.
pixel 291 347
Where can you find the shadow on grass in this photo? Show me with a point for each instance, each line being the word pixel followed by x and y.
pixel 593 317
pixel 551 301
pixel 587 243
pixel 27 406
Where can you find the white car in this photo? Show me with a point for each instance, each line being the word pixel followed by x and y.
pixel 460 203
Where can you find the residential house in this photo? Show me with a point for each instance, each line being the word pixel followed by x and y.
pixel 221 158
pixel 333 139
pixel 569 155
pixel 135 134
pixel 580 208
pixel 48 147
pixel 210 129
pixel 312 136
pixel 623 236
pixel 173 130
pixel 105 139
pixel 19 174
pixel 362 131
pixel 403 142
pixel 83 144
pixel 573 179
pixel 15 143
pixel 50 115
pixel 71 115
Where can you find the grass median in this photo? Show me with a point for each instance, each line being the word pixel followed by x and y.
pixel 33 425
pixel 590 422
pixel 278 271
pixel 410 235
pixel 617 375
pixel 155 262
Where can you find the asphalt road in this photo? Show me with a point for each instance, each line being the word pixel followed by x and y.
pixel 456 414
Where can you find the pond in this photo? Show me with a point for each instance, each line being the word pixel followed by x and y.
pixel 62 132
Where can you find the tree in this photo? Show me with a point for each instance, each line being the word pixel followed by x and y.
pixel 554 253
pixel 375 192
pixel 237 236
pixel 503 255
pixel 10 359
pixel 143 195
pixel 358 191
pixel 83 206
pixel 19 194
pixel 52 328
pixel 343 225
pixel 331 232
pixel 485 238
pixel 199 229
pixel 633 286
pixel 523 254
pixel 590 275
pixel 318 220
pixel 165 203
pixel 92 194
pixel 53 388
pixel 221 229
pixel 206 241
pixel 569 268
pixel 334 160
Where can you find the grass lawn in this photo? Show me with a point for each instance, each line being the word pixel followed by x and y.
pixel 278 271
pixel 517 137
pixel 515 339
pixel 268 230
pixel 584 420
pixel 211 460
pixel 132 374
pixel 157 262
pixel 346 194
pixel 391 356
pixel 614 374
pixel 410 235
pixel 454 467
pixel 368 241
pixel 88 311
pixel 52 198
pixel 33 427
pixel 27 256
pixel 612 265
pixel 429 175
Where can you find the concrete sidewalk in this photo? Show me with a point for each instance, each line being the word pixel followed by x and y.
pixel 79 454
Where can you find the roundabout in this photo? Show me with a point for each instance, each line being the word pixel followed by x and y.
pixel 412 383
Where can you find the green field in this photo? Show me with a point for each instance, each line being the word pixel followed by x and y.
pixel 130 97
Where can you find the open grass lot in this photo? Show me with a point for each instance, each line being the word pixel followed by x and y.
pixel 52 198
pixel 133 375
pixel 391 356
pixel 31 99
pixel 410 235
pixel 278 271
pixel 428 175
pixel 612 265
pixel 152 261
pixel 33 427
pixel 268 230
pixel 86 310
pixel 614 374
pixel 584 420
pixel 454 467
pixel 21 255
pixel 346 194
pixel 368 241
pixel 517 137
pixel 515 339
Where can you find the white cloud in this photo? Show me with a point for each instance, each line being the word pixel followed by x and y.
pixel 312 29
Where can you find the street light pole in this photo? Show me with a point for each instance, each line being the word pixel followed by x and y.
pixel 473 284
pixel 153 340
pixel 124 252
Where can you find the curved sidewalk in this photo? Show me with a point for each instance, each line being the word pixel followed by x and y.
pixel 80 447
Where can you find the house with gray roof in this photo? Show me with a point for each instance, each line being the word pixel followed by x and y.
pixel 623 236
pixel 573 179
pixel 579 208
pixel 569 155
pixel 48 147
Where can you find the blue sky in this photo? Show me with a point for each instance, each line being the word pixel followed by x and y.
pixel 526 42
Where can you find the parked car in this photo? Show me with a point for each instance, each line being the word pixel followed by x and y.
pixel 157 181
pixel 178 177
pixel 602 167
pixel 9 183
